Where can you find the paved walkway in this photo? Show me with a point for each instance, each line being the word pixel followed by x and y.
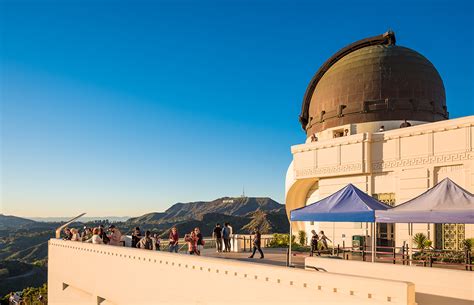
pixel 273 256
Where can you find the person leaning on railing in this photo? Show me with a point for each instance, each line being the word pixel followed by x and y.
pixel 75 236
pixel 115 236
pixel 146 242
pixel 96 238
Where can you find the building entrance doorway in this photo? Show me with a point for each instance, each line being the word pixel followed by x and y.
pixel 385 231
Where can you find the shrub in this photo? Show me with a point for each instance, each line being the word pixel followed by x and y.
pixel 468 243
pixel 280 240
pixel 421 241
pixel 302 237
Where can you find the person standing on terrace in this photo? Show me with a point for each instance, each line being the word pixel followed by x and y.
pixel 86 234
pixel 156 239
pixel 200 239
pixel 136 236
pixel 115 236
pixel 146 242
pixel 67 234
pixel 217 235
pixel 226 237
pixel 103 235
pixel 95 239
pixel 75 236
pixel 174 240
pixel 192 239
pixel 314 243
pixel 257 240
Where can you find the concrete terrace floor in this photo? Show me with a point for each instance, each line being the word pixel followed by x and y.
pixel 276 257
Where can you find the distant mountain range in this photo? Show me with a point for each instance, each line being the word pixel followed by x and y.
pixel 83 219
pixel 244 214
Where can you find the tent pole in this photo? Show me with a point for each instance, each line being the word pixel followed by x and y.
pixel 333 236
pixel 429 237
pixel 410 243
pixel 374 241
pixel 289 246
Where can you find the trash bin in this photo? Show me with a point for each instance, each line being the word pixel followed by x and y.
pixel 358 242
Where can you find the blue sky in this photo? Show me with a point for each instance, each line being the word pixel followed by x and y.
pixel 125 107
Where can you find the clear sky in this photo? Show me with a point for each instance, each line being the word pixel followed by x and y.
pixel 125 107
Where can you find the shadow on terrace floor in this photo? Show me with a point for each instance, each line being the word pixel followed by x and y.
pixel 273 256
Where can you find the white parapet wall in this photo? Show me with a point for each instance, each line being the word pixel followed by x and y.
pixel 434 286
pixel 82 273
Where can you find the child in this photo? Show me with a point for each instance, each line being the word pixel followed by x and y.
pixel 324 240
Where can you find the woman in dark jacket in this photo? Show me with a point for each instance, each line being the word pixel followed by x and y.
pixel 257 240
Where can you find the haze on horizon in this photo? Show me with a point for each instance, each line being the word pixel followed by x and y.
pixel 127 107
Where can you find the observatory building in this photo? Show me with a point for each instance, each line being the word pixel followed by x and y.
pixel 375 116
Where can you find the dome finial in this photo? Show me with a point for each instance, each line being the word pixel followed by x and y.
pixel 390 36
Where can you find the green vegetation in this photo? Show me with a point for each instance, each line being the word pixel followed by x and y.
pixel 281 241
pixel 302 237
pixel 422 242
pixel 468 244
pixel 30 296
pixel 17 275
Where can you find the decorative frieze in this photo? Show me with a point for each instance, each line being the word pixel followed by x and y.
pixel 423 160
pixel 335 170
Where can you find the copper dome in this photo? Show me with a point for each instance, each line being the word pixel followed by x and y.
pixel 373 80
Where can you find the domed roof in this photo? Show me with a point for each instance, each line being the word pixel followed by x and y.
pixel 373 80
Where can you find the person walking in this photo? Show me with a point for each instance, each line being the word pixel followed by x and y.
pixel 324 240
pixel 226 236
pixel 136 236
pixel 174 240
pixel 314 243
pixel 257 240
pixel 115 236
pixel 146 242
pixel 217 235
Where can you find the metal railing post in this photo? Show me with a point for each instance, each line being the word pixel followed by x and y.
pixel 394 255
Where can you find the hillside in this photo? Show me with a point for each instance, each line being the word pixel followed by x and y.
pixel 244 213
pixel 7 221
pixel 240 206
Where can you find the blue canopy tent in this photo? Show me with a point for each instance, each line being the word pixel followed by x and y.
pixel 349 204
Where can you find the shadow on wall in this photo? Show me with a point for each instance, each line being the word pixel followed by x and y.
pixel 430 299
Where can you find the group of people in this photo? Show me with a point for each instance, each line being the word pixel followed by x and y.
pixel 113 236
pixel 318 242
pixel 194 239
pixel 97 235
pixel 222 236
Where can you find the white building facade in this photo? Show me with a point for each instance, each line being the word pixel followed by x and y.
pixel 375 116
